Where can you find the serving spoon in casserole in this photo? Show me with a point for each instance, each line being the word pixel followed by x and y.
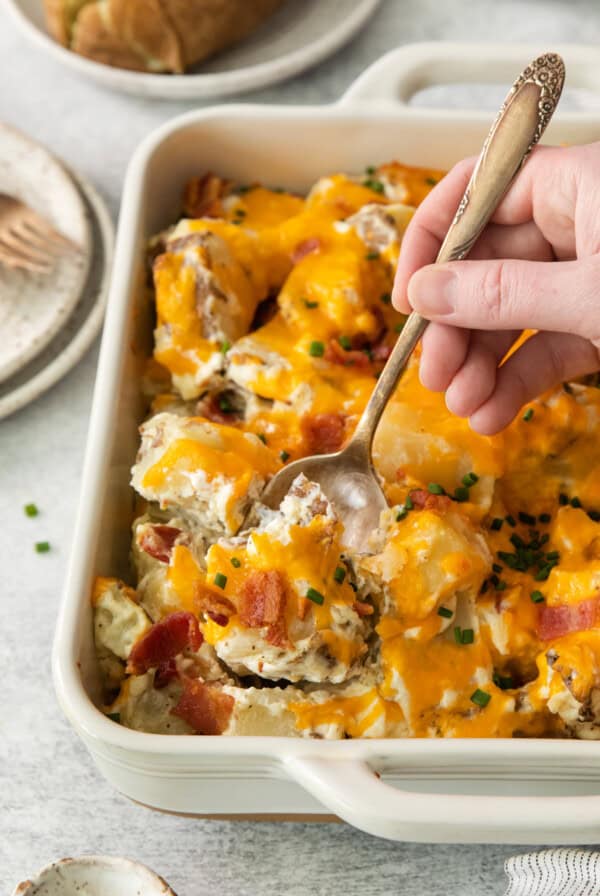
pixel 348 477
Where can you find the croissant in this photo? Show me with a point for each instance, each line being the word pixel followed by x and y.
pixel 154 35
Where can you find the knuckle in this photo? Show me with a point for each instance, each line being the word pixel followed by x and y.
pixel 493 291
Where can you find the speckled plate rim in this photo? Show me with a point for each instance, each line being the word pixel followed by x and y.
pixel 83 337
pixel 210 84
pixel 153 884
pixel 57 183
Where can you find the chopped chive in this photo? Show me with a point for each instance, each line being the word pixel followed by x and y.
pixel 114 716
pixel 31 510
pixel 501 586
pixel 496 524
pixel 372 256
pixel 239 213
pixel 575 502
pixel 445 612
pixel 399 327
pixel 370 169
pixel 316 349
pixel 220 580
pixel 484 587
pixel 496 567
pixel 461 494
pixel 553 556
pixel 262 437
pixel 315 596
pixel 409 503
pixel 225 346
pixel 544 517
pixel 339 574
pixel 345 342
pixel 480 698
pixel 434 488
pixel 245 188
pixel 431 181
pixel 537 597
pixel 225 405
pixel 527 519
pixel 494 579
pixel 458 634
pixel 468 636
pixel 42 547
pixel 353 586
pixel 372 184
pixel 510 520
pixel 470 479
pixel 504 682
pixel 563 499
pixel 284 456
pixel 310 304
pixel 235 562
pixel 543 573
pixel 528 415
pixel 386 298
pixel 402 514
pixel 594 515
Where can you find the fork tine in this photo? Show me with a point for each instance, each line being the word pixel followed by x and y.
pixel 40 227
pixel 20 256
pixel 30 237
pixel 33 253
pixel 11 259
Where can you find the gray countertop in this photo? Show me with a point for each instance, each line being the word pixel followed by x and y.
pixel 53 802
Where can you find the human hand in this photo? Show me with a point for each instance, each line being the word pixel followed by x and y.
pixel 536 266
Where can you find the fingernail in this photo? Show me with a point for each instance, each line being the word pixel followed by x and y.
pixel 432 291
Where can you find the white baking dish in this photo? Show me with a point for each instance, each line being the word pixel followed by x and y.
pixel 513 791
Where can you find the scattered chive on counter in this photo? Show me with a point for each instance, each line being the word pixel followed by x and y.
pixel 220 580
pixel 42 547
pixel 31 510
pixel 315 596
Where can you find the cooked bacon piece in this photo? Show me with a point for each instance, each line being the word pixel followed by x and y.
pixel 324 433
pixel 165 673
pixel 335 354
pixel 216 606
pixel 210 408
pixel 262 602
pixel 312 244
pixel 159 541
pixel 164 641
pixel 423 500
pixel 554 622
pixel 204 707
pixel 362 608
pixel 202 197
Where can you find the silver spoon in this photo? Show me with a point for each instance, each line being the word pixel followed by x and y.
pixel 347 477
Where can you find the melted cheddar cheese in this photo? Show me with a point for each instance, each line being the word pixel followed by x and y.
pixel 472 611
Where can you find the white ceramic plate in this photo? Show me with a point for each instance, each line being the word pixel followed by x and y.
pixel 299 35
pixel 76 336
pixel 95 876
pixel 34 306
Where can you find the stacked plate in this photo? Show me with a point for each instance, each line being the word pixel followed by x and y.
pixel 48 320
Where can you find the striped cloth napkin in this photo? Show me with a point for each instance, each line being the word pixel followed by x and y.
pixel 554 872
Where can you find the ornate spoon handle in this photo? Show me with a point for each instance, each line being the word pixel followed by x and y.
pixel 519 125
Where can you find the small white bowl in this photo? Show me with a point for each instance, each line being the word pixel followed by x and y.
pixel 95 876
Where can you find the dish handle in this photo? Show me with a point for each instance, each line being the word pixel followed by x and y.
pixel 357 794
pixel 401 73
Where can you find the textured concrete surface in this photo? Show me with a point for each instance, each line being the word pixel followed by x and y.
pixel 52 800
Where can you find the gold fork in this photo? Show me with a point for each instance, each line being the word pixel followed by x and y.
pixel 27 240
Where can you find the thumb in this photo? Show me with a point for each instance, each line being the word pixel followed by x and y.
pixel 511 295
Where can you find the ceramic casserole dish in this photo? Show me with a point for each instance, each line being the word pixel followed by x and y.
pixel 469 790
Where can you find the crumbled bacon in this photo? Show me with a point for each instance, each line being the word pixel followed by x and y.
pixel 324 433
pixel 423 500
pixel 335 354
pixel 216 606
pixel 554 622
pixel 312 244
pixel 362 608
pixel 204 707
pixel 159 541
pixel 164 641
pixel 262 602
pixel 210 408
pixel 165 673
pixel 203 195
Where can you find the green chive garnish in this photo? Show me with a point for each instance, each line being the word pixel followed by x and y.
pixel 225 346
pixel 480 698
pixel 528 415
pixel 544 517
pixel 409 503
pixel 461 494
pixel 42 547
pixel 527 519
pixel 374 185
pixel 594 515
pixel 501 586
pixel 345 342
pixel 496 524
pixel 339 574
pixel 510 520
pixel 370 169
pixel 262 437
pixel 372 256
pixel 315 596
pixel 316 349
pixel 445 612
pixel 468 636
pixel 563 499
pixel 537 597
pixel 225 405
pixel 398 328
pixel 470 479
pixel 504 682
pixel 310 304
pixel 401 515
pixel 284 456
pixel 575 502
pixel 431 181
pixel 235 562
pixel 114 716
pixel 434 488
pixel 496 567
pixel 31 510
pixel 220 580
pixel 386 298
